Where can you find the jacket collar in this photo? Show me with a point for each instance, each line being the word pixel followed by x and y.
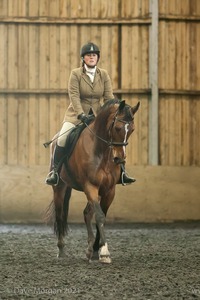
pixel 87 79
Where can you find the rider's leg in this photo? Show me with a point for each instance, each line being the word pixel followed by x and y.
pixel 53 176
pixel 124 178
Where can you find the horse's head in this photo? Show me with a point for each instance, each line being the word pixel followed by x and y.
pixel 121 128
pixel 119 120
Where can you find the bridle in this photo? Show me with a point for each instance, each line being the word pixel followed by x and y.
pixel 111 143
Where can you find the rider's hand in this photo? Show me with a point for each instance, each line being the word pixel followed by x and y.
pixel 83 117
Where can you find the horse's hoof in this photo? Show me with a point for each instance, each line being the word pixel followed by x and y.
pixel 89 254
pixel 61 254
pixel 105 259
pixel 95 255
pixel 104 254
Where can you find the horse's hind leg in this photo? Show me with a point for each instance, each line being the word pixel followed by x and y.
pixel 61 200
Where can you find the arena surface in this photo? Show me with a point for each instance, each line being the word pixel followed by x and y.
pixel 148 262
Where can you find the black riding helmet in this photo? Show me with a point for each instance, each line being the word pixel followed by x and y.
pixel 90 48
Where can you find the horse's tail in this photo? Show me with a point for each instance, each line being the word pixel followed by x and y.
pixel 49 214
pixel 60 226
pixel 60 223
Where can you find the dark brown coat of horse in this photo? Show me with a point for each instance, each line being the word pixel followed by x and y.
pixel 94 168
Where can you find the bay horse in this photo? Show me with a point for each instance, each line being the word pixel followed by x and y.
pixel 94 168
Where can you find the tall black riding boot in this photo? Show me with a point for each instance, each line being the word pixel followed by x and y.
pixel 53 176
pixel 125 179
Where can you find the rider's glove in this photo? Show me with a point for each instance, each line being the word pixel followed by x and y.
pixel 83 117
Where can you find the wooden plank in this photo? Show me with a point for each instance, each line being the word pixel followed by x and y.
pixel 33 55
pixel 193 56
pixel 171 129
pixel 43 8
pixel 153 68
pixel 184 80
pixel 3 56
pixel 64 8
pixel 22 7
pixel 33 130
pixel 114 56
pixel 143 63
pixel 44 57
pixel 63 104
pixel 195 133
pixel 12 130
pixel 96 9
pixel 63 59
pixel 178 56
pixel 113 10
pixel 54 114
pixel 143 130
pixel 126 57
pixel 3 8
pixel 3 130
pixel 12 57
pixel 54 56
pixel 53 8
pixel 106 48
pixel 74 50
pixel 23 131
pixel 44 122
pixel 126 9
pixel 116 91
pixel 197 57
pixel 13 8
pixel 33 8
pixel 23 59
pixel 84 21
pixel 178 130
pixel 136 57
pixel 186 133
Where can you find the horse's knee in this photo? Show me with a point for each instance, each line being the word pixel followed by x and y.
pixel 88 212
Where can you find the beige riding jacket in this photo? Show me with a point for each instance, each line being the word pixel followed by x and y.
pixel 84 94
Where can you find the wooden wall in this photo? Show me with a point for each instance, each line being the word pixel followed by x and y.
pixel 179 82
pixel 40 44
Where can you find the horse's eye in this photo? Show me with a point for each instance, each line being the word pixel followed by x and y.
pixel 118 128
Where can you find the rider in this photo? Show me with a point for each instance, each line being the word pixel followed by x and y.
pixel 87 85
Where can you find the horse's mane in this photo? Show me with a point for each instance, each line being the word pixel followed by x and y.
pixel 105 111
pixel 109 103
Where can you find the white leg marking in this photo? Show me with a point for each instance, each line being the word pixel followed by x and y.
pixel 104 254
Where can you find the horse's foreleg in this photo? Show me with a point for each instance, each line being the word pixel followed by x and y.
pixel 88 214
pixel 102 249
pixel 104 254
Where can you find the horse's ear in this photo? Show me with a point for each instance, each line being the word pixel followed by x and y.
pixel 135 108
pixel 121 105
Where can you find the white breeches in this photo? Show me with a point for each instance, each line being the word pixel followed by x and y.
pixel 64 133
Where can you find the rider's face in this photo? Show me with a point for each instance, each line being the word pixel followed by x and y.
pixel 91 59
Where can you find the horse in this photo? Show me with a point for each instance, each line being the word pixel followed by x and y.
pixel 94 168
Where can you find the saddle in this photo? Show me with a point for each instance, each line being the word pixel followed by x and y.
pixel 73 136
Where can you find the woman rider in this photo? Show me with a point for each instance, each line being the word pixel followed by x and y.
pixel 87 86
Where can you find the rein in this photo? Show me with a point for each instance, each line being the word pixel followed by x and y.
pixel 110 143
